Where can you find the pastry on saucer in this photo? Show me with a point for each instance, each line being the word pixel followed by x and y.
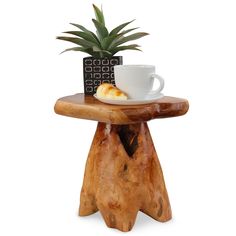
pixel 108 91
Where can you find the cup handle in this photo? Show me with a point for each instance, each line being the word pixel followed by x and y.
pixel 161 86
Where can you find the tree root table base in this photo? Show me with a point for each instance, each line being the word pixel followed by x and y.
pixel 123 175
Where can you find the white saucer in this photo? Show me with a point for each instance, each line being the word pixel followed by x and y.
pixel 147 100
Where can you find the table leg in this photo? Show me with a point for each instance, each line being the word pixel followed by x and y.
pixel 122 176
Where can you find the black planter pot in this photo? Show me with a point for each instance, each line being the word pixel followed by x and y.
pixel 98 71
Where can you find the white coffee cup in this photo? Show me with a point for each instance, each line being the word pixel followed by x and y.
pixel 137 80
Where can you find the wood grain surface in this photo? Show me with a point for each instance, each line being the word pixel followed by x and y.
pixel 123 175
pixel 87 107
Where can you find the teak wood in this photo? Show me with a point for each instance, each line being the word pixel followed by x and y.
pixel 88 107
pixel 123 174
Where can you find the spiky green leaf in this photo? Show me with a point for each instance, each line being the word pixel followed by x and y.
pixel 128 30
pixel 129 38
pixel 80 27
pixel 106 42
pixel 99 15
pixel 86 30
pixel 119 28
pixel 85 35
pixel 97 49
pixel 128 47
pixel 78 41
pixel 101 29
pixel 81 49
pixel 109 41
pixel 85 50
pixel 102 53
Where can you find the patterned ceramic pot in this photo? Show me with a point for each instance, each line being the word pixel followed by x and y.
pixel 97 71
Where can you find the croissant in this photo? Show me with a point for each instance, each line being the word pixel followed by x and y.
pixel 108 91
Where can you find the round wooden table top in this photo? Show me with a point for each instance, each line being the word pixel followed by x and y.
pixel 88 107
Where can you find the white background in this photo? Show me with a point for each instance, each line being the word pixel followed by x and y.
pixel 42 155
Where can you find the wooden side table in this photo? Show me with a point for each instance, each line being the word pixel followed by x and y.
pixel 123 174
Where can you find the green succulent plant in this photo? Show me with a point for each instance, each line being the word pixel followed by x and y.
pixel 102 43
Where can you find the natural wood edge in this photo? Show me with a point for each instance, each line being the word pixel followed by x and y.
pixel 67 109
pixel 121 115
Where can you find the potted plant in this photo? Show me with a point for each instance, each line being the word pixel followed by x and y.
pixel 102 46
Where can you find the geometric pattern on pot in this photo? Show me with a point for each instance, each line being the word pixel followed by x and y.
pixel 98 71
